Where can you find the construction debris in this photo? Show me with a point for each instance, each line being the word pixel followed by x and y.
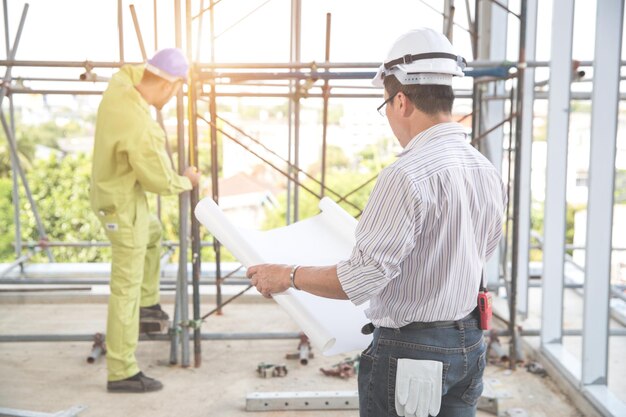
pixel 536 368
pixel 267 369
pixel 304 351
pixel 98 349
pixel 495 351
pixel 497 354
pixel 488 404
pixel 344 369
pixel 515 412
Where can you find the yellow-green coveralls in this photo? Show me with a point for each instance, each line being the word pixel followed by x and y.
pixel 129 159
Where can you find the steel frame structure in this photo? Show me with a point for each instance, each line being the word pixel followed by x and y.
pixel 490 117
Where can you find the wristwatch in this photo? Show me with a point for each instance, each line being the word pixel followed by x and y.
pixel 292 276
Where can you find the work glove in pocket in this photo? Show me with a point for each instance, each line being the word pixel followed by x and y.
pixel 418 387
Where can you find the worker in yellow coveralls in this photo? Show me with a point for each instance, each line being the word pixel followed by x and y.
pixel 129 159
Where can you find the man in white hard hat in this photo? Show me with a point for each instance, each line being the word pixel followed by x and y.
pixel 430 224
pixel 129 159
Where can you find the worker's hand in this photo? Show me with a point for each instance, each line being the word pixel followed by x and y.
pixel 269 278
pixel 193 175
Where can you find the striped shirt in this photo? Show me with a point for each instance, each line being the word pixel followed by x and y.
pixel 434 217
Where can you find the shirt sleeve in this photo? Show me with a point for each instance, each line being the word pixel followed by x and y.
pixel 385 236
pixel 495 232
pixel 152 166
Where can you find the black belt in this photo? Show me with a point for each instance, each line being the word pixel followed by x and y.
pixel 369 327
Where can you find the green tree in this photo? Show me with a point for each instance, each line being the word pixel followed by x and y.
pixel 536 224
pixel 45 134
pixel 60 188
pixel 7 231
pixel 29 136
pixel 376 156
pixel 25 153
pixel 336 160
pixel 342 182
pixel 335 113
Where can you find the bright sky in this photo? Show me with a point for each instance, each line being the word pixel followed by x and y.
pixel 362 30
pixel 78 29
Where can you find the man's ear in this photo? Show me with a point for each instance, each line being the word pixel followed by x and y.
pixel 177 85
pixel 171 88
pixel 405 104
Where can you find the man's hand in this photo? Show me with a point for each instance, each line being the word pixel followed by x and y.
pixel 193 175
pixel 269 278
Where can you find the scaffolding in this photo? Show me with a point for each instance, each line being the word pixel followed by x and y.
pixel 502 94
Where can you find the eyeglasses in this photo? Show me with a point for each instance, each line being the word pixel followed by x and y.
pixel 381 108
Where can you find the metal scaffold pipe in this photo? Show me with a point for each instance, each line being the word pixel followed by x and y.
pixel 215 162
pixel 11 137
pixel 326 95
pixel 14 179
pixel 278 65
pixel 196 255
pixel 120 29
pixel 147 337
pixel 180 308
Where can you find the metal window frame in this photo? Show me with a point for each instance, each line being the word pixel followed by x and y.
pixel 556 172
pixel 589 373
pixel 601 178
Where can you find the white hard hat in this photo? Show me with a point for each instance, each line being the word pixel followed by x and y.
pixel 421 56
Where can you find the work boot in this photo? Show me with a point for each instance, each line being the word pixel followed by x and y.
pixel 136 383
pixel 152 313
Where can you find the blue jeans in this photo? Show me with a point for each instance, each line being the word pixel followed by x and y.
pixel 460 347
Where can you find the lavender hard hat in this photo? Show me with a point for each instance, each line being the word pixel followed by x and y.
pixel 169 63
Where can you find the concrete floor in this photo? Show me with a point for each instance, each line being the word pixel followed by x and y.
pixel 49 377
pixel 572 319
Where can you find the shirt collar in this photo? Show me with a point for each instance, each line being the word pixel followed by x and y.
pixel 441 129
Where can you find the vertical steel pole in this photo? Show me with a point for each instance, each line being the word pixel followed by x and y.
pixel 289 156
pixel 156 32
pixel 470 24
pixel 445 15
pixel 476 100
pixel 6 80
pixel 604 117
pixel 524 195
pixel 296 32
pixel 448 19
pixel 516 187
pixel 196 255
pixel 492 46
pixel 292 187
pixel 215 168
pixel 200 24
pixel 142 47
pixel 14 177
pixel 181 313
pixel 326 94
pixel 474 27
pixel 120 29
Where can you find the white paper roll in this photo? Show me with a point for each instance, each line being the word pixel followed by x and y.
pixel 339 219
pixel 333 326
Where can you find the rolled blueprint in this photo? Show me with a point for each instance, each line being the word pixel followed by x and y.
pixel 333 326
